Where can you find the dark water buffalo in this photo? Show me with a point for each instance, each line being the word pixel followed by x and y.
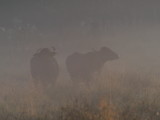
pixel 44 67
pixel 82 67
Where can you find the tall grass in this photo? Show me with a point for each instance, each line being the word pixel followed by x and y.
pixel 115 96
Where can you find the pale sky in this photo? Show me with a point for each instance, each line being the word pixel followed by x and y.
pixel 129 27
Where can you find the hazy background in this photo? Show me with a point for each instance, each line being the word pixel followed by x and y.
pixel 129 27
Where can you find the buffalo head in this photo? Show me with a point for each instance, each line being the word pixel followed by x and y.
pixel 46 52
pixel 108 54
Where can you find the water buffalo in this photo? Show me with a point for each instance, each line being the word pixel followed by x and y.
pixel 44 67
pixel 81 67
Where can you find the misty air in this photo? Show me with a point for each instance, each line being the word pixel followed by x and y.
pixel 79 60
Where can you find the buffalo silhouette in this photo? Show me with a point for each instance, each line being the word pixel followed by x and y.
pixel 44 67
pixel 82 67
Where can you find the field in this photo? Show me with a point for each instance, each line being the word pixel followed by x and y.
pixel 116 96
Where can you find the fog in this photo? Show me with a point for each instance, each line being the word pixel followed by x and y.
pixel 99 49
pixel 131 28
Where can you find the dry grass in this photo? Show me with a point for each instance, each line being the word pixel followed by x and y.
pixel 113 97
